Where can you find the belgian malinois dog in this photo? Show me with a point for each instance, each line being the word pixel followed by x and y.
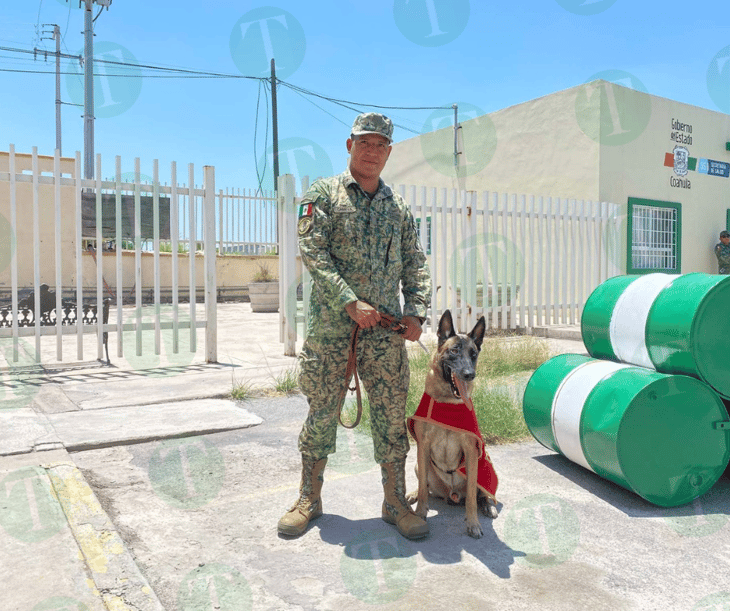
pixel 442 450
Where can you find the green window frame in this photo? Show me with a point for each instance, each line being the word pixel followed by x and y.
pixel 654 237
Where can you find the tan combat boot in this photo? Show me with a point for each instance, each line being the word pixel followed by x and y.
pixel 395 508
pixel 309 505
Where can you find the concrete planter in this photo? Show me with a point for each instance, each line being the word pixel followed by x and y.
pixel 264 296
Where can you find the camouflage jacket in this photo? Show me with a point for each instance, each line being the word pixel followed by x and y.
pixel 358 249
pixel 722 253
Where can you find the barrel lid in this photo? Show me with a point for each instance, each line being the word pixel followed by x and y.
pixel 595 321
pixel 537 401
pixel 672 445
pixel 711 336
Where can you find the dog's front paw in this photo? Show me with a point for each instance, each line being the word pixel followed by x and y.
pixel 422 510
pixel 411 497
pixel 474 530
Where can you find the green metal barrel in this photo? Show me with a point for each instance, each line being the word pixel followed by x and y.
pixel 674 324
pixel 664 437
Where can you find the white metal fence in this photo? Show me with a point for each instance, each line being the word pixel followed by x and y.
pixel 519 260
pixel 55 197
pixel 248 222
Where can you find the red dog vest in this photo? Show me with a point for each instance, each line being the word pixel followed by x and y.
pixel 458 417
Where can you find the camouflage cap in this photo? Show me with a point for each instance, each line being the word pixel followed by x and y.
pixel 373 123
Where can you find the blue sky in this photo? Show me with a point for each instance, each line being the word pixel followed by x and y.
pixel 407 53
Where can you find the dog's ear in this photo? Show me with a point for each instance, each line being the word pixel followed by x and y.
pixel 446 328
pixel 477 333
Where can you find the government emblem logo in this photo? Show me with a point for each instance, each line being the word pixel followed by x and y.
pixel 681 161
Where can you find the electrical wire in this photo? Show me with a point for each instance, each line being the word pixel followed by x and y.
pixel 260 175
pixel 343 102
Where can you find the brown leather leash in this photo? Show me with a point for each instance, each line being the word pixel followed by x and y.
pixel 387 322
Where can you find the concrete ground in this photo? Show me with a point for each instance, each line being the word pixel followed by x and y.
pixel 142 486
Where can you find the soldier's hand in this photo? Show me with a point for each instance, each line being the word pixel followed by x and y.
pixel 363 314
pixel 413 328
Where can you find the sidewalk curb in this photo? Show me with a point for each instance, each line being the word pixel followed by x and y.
pixel 117 578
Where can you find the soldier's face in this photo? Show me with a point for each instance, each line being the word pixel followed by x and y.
pixel 368 154
pixel 725 241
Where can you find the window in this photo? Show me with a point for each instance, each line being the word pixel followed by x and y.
pixel 427 245
pixel 654 236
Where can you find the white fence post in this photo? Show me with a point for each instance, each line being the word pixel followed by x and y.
pixel 288 279
pixel 211 330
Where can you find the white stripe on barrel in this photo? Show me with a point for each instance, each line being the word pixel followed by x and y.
pixel 627 330
pixel 568 405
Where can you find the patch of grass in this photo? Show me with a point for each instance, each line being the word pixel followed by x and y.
pixel 287 383
pixel 504 365
pixel 243 390
pixel 499 415
pixel 504 356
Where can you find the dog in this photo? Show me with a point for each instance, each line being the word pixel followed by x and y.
pixel 444 450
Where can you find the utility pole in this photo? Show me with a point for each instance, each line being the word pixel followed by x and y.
pixel 456 134
pixel 88 91
pixel 57 36
pixel 275 124
pixel 89 83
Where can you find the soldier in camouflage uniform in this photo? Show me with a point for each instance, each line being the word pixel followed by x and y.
pixel 358 239
pixel 722 252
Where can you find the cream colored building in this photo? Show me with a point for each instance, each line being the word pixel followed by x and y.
pixel 666 164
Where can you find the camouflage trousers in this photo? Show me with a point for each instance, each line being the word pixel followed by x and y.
pixel 382 366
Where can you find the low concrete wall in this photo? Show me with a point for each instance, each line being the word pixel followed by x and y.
pixel 231 271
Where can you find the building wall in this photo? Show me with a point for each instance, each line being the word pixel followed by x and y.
pixel 46 220
pixel 637 169
pixel 231 270
pixel 537 147
pixel 597 141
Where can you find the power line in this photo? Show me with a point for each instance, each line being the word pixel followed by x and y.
pixel 104 74
pixel 343 102
pixel 263 84
pixel 322 109
pixel 190 73
pixel 179 72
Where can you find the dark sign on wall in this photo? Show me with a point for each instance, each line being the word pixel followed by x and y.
pixel 108 212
